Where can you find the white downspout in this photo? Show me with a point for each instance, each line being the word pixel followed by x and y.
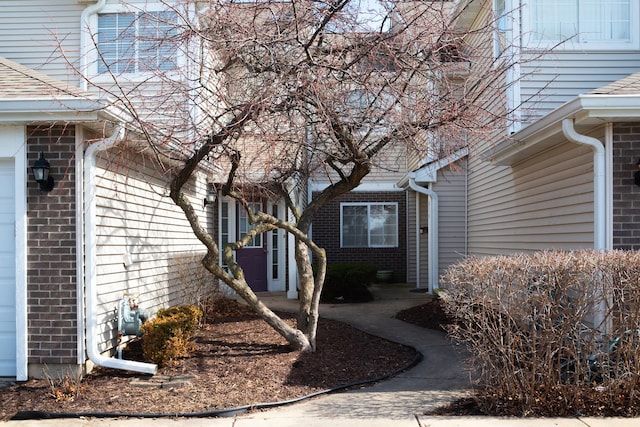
pixel 91 319
pixel 432 232
pixel 599 182
pixel 86 40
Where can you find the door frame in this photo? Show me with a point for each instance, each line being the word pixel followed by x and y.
pixel 274 284
pixel 14 147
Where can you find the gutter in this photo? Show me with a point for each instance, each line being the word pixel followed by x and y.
pixel 599 182
pixel 91 318
pixel 587 109
pixel 432 234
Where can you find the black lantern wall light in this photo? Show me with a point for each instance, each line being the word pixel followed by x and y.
pixel 211 196
pixel 40 170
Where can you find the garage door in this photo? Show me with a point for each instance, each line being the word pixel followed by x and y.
pixel 7 270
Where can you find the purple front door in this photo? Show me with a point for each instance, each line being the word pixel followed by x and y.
pixel 253 257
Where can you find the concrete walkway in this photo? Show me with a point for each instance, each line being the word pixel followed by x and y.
pixel 397 402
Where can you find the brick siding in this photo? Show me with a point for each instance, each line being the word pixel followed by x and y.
pixel 51 253
pixel 326 233
pixel 626 194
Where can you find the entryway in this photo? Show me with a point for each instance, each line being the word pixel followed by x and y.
pixel 264 259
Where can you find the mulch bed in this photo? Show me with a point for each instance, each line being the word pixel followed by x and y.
pixel 237 361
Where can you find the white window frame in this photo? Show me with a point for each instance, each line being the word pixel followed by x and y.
pixel 575 43
pixel 92 53
pixel 369 205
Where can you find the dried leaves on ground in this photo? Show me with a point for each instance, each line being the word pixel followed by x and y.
pixel 237 361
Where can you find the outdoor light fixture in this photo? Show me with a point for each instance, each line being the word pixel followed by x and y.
pixel 211 197
pixel 40 170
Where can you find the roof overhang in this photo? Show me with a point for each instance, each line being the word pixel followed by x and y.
pixel 588 111
pixel 69 109
pixel 429 171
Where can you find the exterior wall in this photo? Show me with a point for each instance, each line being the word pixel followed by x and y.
pixel 626 194
pixel 145 245
pixel 557 77
pixel 389 167
pixel 412 233
pixel 31 29
pixel 326 233
pixel 542 203
pixel 452 214
pixel 51 254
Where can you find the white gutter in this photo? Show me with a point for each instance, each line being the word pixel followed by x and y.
pixel 432 233
pixel 86 40
pixel 91 319
pixel 599 182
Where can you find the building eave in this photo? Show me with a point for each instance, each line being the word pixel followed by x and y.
pixel 29 110
pixel 587 111
pixel 428 172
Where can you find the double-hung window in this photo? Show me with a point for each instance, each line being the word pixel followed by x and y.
pixel 368 225
pixel 592 24
pixel 137 42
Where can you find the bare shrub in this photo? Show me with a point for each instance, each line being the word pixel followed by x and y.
pixel 551 333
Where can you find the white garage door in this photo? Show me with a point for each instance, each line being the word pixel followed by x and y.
pixel 7 270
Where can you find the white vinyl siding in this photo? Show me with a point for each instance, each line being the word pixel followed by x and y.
pixel 144 243
pixel 555 78
pixel 31 29
pixel 545 202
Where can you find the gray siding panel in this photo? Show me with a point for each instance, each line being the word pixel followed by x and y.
pixel 544 202
pixel 144 243
pixel 452 215
pixel 555 78
pixel 32 30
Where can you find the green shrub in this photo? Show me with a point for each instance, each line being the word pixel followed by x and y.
pixel 167 336
pixel 348 282
pixel 553 333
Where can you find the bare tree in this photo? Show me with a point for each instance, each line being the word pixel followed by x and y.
pixel 273 93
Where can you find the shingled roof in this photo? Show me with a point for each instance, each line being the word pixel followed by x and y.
pixel 629 85
pixel 19 82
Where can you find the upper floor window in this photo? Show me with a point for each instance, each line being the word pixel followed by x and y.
pixel 137 42
pixel 591 24
pixel 369 225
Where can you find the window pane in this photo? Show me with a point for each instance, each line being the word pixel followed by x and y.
pixel 354 226
pixel 581 20
pixel 131 42
pixel 605 21
pixel 383 220
pixel 369 225
pixel 245 226
pixel 224 227
pixel 554 19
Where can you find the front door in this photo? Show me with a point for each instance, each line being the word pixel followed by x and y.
pixel 253 257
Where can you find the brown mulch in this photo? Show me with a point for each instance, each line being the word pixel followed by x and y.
pixel 237 361
pixel 429 315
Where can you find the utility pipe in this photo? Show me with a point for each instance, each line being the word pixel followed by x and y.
pixel 599 182
pixel 432 235
pixel 91 319
pixel 86 40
